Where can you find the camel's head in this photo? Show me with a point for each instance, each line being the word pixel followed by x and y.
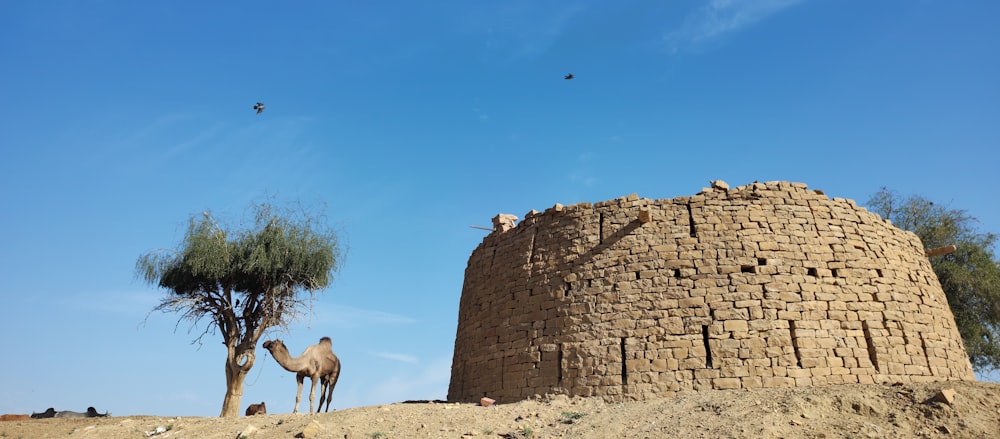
pixel 272 344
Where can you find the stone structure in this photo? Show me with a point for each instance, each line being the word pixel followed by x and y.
pixel 763 285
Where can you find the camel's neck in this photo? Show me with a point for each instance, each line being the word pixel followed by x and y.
pixel 287 361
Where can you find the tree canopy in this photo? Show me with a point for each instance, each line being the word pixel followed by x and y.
pixel 244 281
pixel 970 276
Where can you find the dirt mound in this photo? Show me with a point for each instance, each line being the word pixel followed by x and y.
pixel 855 411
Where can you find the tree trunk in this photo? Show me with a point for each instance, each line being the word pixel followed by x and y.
pixel 234 396
pixel 237 367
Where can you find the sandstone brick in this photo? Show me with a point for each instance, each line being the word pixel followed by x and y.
pixel 727 383
pixel 736 325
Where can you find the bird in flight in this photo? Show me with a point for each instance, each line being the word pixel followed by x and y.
pixel 259 107
pixel 569 76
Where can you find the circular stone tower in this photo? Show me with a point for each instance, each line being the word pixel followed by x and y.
pixel 763 285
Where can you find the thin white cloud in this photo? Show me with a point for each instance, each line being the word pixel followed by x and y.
pixel 205 137
pixel 343 316
pixel 721 17
pixel 482 116
pixel 397 357
pixel 128 302
pixel 583 174
pixel 518 31
pixel 537 40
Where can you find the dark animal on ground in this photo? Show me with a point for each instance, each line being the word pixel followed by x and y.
pixel 90 413
pixel 257 409
pixel 48 413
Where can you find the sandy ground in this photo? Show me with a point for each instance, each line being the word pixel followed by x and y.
pixel 852 411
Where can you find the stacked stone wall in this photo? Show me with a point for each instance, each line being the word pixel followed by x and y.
pixel 763 285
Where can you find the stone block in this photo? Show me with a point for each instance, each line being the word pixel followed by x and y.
pixel 769 382
pixel 726 383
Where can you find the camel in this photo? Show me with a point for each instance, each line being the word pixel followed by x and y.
pixel 317 362
pixel 257 409
pixel 90 413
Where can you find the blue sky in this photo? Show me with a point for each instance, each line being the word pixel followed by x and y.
pixel 410 121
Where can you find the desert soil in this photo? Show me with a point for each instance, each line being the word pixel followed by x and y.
pixel 849 411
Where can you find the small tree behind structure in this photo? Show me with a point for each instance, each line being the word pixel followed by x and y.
pixel 970 276
pixel 244 282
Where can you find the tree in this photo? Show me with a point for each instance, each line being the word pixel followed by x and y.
pixel 244 282
pixel 970 276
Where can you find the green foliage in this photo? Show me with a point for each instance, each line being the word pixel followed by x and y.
pixel 571 416
pixel 246 280
pixel 970 276
pixel 524 432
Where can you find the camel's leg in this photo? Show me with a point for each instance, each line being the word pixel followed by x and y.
pixel 328 394
pixel 331 382
pixel 298 393
pixel 312 393
pixel 325 393
pixel 323 384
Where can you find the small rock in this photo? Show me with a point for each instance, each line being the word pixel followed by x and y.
pixel 719 184
pixel 246 432
pixel 312 430
pixel 946 396
pixel 486 402
pixel 944 429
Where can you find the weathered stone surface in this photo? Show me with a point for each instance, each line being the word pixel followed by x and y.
pixel 946 396
pixel 763 285
pixel 504 222
pixel 311 431
pixel 247 432
pixel 719 184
